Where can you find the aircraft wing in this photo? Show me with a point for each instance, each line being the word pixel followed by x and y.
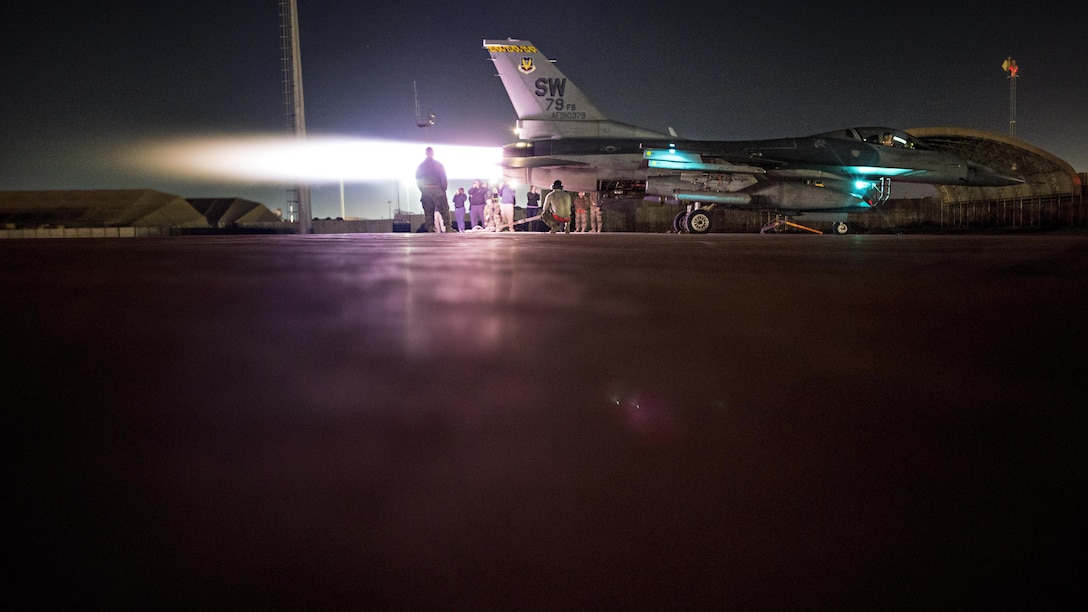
pixel 714 160
pixel 540 162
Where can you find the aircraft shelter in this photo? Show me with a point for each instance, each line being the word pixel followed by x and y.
pixel 123 212
pixel 1046 175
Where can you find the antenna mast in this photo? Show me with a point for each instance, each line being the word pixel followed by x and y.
pixel 1011 69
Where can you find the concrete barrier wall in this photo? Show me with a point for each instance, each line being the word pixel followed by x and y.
pixel 85 232
pixel 353 226
pixel 926 214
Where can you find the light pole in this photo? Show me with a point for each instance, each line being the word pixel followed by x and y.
pixel 292 94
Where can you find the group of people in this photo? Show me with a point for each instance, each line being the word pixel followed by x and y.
pixel 494 211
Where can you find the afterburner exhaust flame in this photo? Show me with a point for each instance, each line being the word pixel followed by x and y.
pixel 314 159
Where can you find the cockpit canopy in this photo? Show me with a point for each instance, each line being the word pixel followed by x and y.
pixel 884 136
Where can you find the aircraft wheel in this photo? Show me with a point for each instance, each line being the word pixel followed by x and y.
pixel 840 228
pixel 698 222
pixel 679 223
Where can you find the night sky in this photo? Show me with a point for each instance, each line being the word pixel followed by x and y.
pixel 83 84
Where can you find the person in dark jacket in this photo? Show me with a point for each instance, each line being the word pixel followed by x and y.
pixel 477 203
pixel 532 209
pixel 459 209
pixel 431 180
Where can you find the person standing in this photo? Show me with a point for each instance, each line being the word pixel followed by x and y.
pixel 506 205
pixel 431 180
pixel 595 213
pixel 556 213
pixel 532 208
pixel 477 202
pixel 459 209
pixel 493 215
pixel 581 211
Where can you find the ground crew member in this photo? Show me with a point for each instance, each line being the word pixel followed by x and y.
pixel 556 213
pixel 595 213
pixel 493 215
pixel 581 211
pixel 506 205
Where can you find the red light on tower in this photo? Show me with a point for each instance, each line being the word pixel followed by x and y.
pixel 1010 67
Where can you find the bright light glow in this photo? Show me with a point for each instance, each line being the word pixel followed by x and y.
pixel 875 171
pixel 671 155
pixel 315 159
pixel 862 184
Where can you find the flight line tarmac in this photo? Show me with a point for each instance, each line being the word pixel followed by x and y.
pixel 530 421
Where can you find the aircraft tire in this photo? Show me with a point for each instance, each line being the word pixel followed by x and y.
pixel 679 224
pixel 840 228
pixel 698 222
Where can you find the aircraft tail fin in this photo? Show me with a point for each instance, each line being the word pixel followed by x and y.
pixel 548 104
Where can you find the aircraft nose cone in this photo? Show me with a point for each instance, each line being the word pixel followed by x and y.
pixel 978 174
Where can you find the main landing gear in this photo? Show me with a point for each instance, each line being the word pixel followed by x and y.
pixel 692 222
